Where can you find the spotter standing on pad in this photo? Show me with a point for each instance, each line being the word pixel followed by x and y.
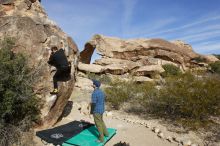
pixel 97 109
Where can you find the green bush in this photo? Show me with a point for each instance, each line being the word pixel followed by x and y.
pixel 217 55
pixel 119 92
pixel 187 97
pixel 215 67
pixel 17 99
pixel 105 79
pixel 199 59
pixel 170 70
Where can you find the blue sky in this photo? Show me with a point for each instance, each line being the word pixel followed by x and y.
pixel 196 22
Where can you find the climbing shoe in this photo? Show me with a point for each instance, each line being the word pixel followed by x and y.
pixel 55 91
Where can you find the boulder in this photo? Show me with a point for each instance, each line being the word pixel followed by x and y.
pixel 145 70
pixel 118 62
pixel 182 44
pixel 142 79
pixel 126 49
pixel 84 83
pixel 140 57
pixel 34 34
pixel 210 58
pixel 115 69
pixel 92 68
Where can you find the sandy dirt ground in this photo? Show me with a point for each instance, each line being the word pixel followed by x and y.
pixel 130 128
pixel 134 134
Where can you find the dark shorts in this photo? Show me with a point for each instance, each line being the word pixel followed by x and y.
pixel 62 74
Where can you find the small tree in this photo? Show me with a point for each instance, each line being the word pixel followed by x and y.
pixel 17 100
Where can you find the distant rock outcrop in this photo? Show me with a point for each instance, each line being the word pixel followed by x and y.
pixel 140 57
pixel 34 34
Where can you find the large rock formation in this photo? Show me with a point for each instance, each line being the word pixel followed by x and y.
pixel 34 34
pixel 140 57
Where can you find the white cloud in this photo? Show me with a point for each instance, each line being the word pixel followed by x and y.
pixel 201 36
pixel 214 48
pixel 207 43
pixel 193 24
pixel 127 11
pixel 148 27
pixel 116 17
pixel 202 28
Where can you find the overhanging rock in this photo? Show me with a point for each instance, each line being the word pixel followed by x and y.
pixel 141 57
pixel 34 34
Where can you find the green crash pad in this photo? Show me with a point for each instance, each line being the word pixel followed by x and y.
pixel 88 137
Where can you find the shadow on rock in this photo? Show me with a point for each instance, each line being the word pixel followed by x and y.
pixel 67 110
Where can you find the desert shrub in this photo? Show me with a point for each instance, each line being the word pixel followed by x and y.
pixel 119 92
pixel 18 102
pixel 187 97
pixel 217 55
pixel 105 79
pixel 215 67
pixel 15 135
pixel 199 59
pixel 170 70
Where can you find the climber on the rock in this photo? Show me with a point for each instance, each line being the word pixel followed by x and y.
pixel 59 60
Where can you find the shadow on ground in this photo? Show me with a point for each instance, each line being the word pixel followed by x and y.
pixel 121 144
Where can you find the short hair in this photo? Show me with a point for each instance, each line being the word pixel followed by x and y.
pixel 54 48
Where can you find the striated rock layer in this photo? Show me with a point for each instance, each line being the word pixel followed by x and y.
pixel 34 34
pixel 141 57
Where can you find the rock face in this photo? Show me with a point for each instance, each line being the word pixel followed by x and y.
pixel 210 58
pixel 34 34
pixel 140 57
